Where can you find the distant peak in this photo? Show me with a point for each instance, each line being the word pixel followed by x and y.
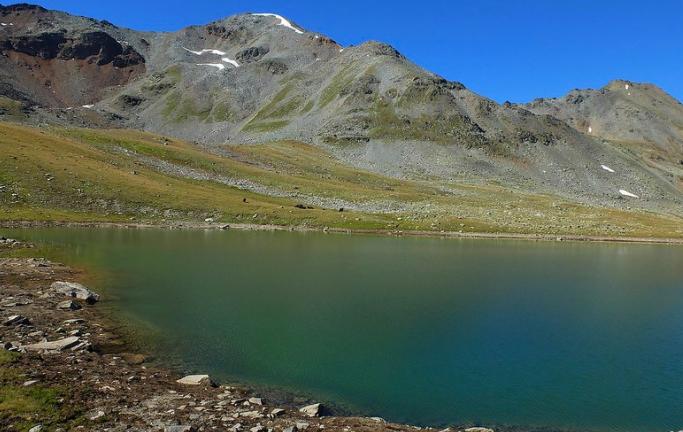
pixel 380 49
pixel 22 7
pixel 620 84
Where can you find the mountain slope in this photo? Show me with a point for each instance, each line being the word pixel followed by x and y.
pixel 640 118
pixel 256 78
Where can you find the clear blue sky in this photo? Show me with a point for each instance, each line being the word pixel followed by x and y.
pixel 503 49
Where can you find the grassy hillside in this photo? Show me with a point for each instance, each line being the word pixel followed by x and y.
pixel 60 174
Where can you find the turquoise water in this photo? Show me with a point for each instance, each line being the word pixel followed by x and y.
pixel 426 331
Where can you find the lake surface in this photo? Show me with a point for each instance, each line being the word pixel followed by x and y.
pixel 426 331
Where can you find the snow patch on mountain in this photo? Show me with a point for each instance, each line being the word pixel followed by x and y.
pixel 219 66
pixel 628 194
pixel 283 21
pixel 231 61
pixel 204 51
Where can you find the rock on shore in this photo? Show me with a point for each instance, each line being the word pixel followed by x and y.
pixel 76 290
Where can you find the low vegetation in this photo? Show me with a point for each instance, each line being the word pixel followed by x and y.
pixel 22 405
pixel 85 175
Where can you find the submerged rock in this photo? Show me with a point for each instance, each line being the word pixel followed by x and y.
pixel 76 290
pixel 478 429
pixel 57 345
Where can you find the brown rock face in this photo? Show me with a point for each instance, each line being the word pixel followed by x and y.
pixel 48 62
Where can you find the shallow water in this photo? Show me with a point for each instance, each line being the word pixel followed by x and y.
pixel 426 331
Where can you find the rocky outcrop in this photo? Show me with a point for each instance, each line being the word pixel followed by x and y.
pixel 252 54
pixel 97 47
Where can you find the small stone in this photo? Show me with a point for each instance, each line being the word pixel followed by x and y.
pixel 302 426
pixel 289 429
pixel 16 320
pixel 276 412
pixel 256 401
pixel 311 410
pixel 97 415
pixel 36 428
pixel 69 305
pixel 478 429
pixel 251 414
pixel 179 429
pixel 30 383
pixel 195 380
pixel 257 428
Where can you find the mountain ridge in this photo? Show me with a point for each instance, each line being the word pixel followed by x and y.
pixel 253 78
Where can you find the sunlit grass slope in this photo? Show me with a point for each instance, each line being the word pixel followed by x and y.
pixel 60 174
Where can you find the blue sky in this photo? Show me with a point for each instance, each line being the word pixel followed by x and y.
pixel 504 49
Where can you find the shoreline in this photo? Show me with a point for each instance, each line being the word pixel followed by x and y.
pixel 89 376
pixel 189 225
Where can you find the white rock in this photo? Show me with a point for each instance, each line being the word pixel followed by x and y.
pixel 97 415
pixel 195 380
pixel 256 401
pixel 57 345
pixel 311 410
pixel 36 428
pixel 76 290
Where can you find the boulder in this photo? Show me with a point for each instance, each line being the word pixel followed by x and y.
pixel 195 380
pixel 76 290
pixel 69 305
pixel 312 410
pixel 57 345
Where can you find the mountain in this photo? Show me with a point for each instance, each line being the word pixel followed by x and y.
pixel 255 78
pixel 640 118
